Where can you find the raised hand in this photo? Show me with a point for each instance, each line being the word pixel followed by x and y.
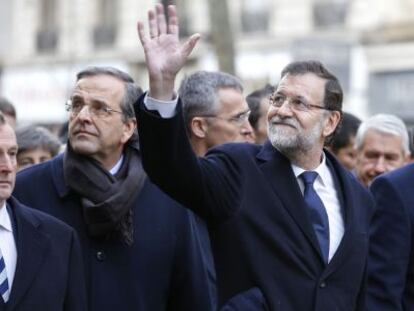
pixel 164 54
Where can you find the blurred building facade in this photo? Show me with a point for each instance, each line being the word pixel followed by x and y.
pixel 369 44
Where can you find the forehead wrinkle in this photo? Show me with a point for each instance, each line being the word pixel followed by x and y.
pixel 305 85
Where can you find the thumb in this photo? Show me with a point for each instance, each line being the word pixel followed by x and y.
pixel 189 45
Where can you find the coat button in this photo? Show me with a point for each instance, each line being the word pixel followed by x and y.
pixel 322 285
pixel 100 255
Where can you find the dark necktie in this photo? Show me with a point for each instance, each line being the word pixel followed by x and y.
pixel 317 212
pixel 4 284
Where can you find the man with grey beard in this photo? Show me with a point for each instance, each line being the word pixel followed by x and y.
pixel 288 224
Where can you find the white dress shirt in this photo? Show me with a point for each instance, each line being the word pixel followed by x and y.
pixel 325 187
pixel 117 166
pixel 7 244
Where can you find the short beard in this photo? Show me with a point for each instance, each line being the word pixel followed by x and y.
pixel 292 145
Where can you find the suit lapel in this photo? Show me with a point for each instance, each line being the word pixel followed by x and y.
pixel 347 203
pixel 32 248
pixel 278 172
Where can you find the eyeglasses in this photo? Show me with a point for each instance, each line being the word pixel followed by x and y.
pixel 97 109
pixel 238 119
pixel 296 104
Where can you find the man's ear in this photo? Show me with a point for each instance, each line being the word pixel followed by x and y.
pixel 129 127
pixel 199 127
pixel 331 122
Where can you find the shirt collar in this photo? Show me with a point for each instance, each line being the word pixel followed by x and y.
pixel 5 222
pixel 117 166
pixel 322 170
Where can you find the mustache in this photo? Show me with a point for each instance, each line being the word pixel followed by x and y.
pixel 284 121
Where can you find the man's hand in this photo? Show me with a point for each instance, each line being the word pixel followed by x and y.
pixel 164 54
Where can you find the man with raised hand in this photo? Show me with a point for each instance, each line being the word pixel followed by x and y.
pixel 285 219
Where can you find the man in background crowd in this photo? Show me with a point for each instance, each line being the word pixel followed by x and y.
pixel 214 110
pixel 9 112
pixel 343 142
pixel 258 102
pixel 36 145
pixel 382 146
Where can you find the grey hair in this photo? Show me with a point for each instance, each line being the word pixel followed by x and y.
pixel 199 93
pixel 132 91
pixel 33 137
pixel 384 123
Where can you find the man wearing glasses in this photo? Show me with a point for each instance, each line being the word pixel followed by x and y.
pixel 214 110
pixel 285 218
pixel 141 249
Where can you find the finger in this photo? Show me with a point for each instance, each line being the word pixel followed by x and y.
pixel 189 45
pixel 141 33
pixel 161 20
pixel 152 23
pixel 173 20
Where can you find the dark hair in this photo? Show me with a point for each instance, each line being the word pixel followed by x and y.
pixel 347 130
pixel 7 107
pixel 132 91
pixel 254 99
pixel 333 92
pixel 33 137
pixel 199 93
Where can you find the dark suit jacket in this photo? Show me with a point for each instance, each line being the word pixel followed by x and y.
pixel 49 272
pixel 259 229
pixel 391 256
pixel 162 270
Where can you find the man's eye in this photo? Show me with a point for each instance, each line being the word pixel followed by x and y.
pixel 279 99
pixel 77 104
pixel 298 103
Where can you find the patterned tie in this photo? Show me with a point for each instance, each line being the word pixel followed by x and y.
pixel 4 284
pixel 317 212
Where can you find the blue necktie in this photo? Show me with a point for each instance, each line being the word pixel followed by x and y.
pixel 4 284
pixel 317 212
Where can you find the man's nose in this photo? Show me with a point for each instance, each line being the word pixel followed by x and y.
pixel 246 131
pixel 85 113
pixel 6 164
pixel 380 166
pixel 285 109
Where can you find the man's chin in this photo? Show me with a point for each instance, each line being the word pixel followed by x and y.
pixel 83 147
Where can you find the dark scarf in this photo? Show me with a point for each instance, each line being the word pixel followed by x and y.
pixel 107 199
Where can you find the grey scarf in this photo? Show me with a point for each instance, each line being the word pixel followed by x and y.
pixel 107 200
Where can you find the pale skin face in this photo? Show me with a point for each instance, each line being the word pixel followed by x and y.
pixel 101 138
pixel 380 153
pixel 300 135
pixel 8 162
pixel 348 155
pixel 31 157
pixel 261 131
pixel 223 128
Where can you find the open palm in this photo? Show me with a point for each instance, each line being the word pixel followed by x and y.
pixel 164 53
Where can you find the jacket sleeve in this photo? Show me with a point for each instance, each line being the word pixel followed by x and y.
pixel 76 289
pixel 210 186
pixel 390 245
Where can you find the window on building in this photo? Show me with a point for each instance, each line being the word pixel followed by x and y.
pixel 329 13
pixel 47 35
pixel 104 33
pixel 255 15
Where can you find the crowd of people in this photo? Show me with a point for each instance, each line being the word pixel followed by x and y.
pixel 202 198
